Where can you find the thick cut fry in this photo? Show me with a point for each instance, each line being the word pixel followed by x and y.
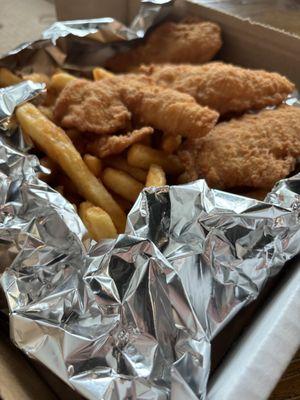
pixel 93 163
pixel 7 78
pixel 59 147
pixel 143 157
pixel 37 77
pixel 60 80
pixel 170 143
pixel 101 73
pixel 122 184
pixel 121 163
pixel 97 221
pixel 156 176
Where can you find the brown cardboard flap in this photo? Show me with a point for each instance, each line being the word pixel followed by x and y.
pixel 251 44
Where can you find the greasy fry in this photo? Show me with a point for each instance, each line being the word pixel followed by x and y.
pixel 121 163
pixel 97 221
pixel 8 78
pixel 142 156
pixel 156 176
pixel 60 80
pixel 121 183
pixel 37 77
pixel 59 147
pixel 93 163
pixel 101 73
pixel 170 143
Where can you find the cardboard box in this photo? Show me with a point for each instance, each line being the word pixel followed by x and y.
pixel 254 365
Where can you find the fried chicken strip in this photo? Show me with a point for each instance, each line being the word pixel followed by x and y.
pixel 105 146
pixel 255 150
pixel 82 105
pixel 91 107
pixel 184 42
pixel 166 109
pixel 223 87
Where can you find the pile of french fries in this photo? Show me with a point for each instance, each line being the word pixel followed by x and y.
pixel 102 190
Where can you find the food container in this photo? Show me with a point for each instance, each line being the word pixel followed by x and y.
pixel 276 325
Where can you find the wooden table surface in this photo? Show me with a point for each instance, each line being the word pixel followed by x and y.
pixel 34 15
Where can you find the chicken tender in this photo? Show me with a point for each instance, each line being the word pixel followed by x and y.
pixel 192 42
pixel 92 107
pixel 104 146
pixel 255 150
pixel 166 109
pixel 83 105
pixel 223 87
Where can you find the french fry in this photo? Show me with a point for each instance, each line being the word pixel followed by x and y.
pixel 143 157
pixel 60 80
pixel 8 78
pixel 37 77
pixel 93 163
pixel 121 183
pixel 156 176
pixel 121 163
pixel 58 146
pixel 47 111
pixel 170 143
pixel 97 221
pixel 101 73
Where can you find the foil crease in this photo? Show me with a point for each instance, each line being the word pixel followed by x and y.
pixel 132 317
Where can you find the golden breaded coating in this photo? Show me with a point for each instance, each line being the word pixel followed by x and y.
pixel 192 42
pixel 105 106
pixel 166 109
pixel 91 107
pixel 223 87
pixel 104 146
pixel 255 150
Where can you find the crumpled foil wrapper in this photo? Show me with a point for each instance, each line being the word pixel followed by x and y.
pixel 131 318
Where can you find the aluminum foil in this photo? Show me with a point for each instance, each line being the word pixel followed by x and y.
pixel 132 317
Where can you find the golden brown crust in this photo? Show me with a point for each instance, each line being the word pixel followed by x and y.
pixel 255 150
pixel 105 146
pixel 183 42
pixel 92 107
pixel 165 109
pixel 105 106
pixel 223 87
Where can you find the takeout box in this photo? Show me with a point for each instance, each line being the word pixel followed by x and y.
pixel 256 46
